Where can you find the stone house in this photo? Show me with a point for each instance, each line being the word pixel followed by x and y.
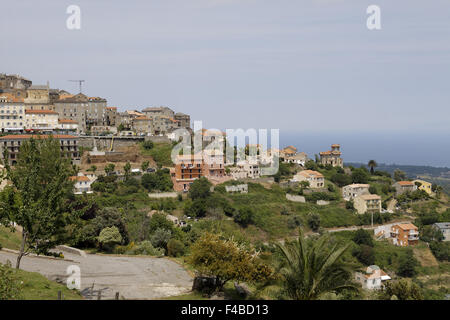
pixel 316 179
pixel 404 186
pixel 332 157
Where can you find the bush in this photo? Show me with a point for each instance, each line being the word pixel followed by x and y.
pixel 175 248
pixel 363 237
pixel 10 286
pixel 403 289
pixel 200 189
pixel 160 238
pixel 148 145
pixel 313 221
pixel 365 254
pixel 244 217
pixel 441 250
pixel 159 180
pixel 109 237
pixel 146 248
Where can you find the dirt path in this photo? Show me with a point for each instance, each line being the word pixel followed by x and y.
pixel 133 277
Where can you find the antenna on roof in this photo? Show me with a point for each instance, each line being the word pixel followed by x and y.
pixel 79 81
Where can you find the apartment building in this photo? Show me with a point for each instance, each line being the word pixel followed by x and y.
pixel 73 107
pixel 354 190
pixel 142 125
pixel 367 203
pixel 444 227
pixel 11 143
pixel 405 234
pixel 45 120
pixel 12 113
pixel 67 125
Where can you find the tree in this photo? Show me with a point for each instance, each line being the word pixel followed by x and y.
pixel 127 170
pixel 159 180
pixel 37 198
pixel 109 237
pixel 93 168
pixel 313 221
pixel 200 189
pixel 372 164
pixel 109 168
pixel 341 179
pixel 362 236
pixel 404 289
pixel 145 165
pixel 365 254
pixel 360 175
pixel 121 127
pixel 175 248
pixel 310 269
pixel 399 175
pixel 225 260
pixel 407 265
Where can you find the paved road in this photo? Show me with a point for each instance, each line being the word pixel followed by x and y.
pixel 133 277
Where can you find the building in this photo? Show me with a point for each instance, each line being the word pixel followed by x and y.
pixel 240 188
pixel 351 191
pixel 82 184
pixel 126 118
pixel 404 186
pixel 45 120
pixel 184 120
pixel 367 203
pixel 15 85
pixel 111 116
pixel 162 125
pixel 405 234
pixel 424 185
pixel 151 112
pixel 73 107
pixel 142 125
pixel 332 157
pixel 12 113
pixel 444 227
pixel 67 125
pixel 187 169
pixel 11 143
pixel 238 173
pixel 372 278
pixel 315 179
pixel 289 151
pixel 96 112
pixel 298 158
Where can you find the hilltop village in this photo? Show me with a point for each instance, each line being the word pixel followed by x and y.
pixel 133 199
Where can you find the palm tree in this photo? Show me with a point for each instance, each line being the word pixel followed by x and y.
pixel 310 269
pixel 372 164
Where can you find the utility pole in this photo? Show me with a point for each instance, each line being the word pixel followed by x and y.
pixel 80 82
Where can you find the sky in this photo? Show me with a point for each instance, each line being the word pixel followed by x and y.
pixel 310 68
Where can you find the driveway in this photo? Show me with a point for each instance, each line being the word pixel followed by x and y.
pixel 133 277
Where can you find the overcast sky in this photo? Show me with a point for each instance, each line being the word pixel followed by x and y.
pixel 299 65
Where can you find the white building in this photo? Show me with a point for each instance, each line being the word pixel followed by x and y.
pixel 41 119
pixel 12 113
pixel 354 190
pixel 82 184
pixel 68 125
pixel 298 158
pixel 373 278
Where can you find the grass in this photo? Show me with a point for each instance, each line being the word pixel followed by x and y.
pixel 8 239
pixel 161 153
pixel 36 287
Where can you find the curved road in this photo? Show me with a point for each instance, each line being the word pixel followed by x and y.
pixel 134 277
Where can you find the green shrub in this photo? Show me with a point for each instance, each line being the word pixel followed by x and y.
pixel 175 248
pixel 10 286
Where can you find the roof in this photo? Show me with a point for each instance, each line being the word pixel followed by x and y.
pixel 370 197
pixel 79 178
pixel 67 121
pixel 406 226
pixel 307 173
pixel 405 183
pixel 335 145
pixel 357 185
pixel 141 118
pixel 442 225
pixel 10 97
pixel 36 136
pixel 40 112
pixel 111 108
pixel 324 153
